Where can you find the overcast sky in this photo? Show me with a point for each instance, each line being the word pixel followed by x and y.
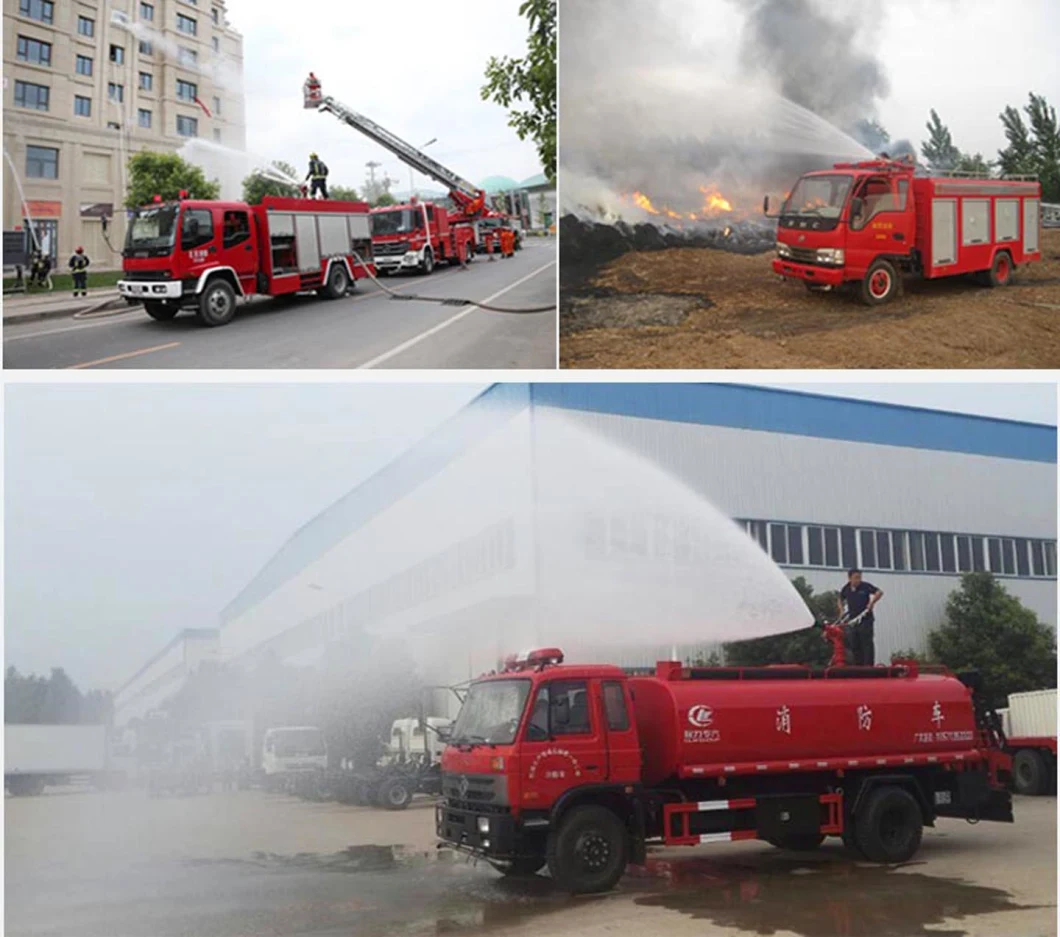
pixel 135 510
pixel 415 67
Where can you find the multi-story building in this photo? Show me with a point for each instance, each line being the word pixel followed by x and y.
pixel 82 93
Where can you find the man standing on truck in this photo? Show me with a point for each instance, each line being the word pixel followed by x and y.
pixel 860 598
pixel 317 176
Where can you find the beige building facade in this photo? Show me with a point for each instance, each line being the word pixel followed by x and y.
pixel 83 93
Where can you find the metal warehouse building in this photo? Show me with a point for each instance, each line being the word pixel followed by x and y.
pixel 541 505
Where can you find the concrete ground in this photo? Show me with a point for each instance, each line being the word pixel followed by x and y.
pixel 367 329
pixel 84 864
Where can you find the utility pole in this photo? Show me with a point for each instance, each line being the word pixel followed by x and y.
pixel 372 167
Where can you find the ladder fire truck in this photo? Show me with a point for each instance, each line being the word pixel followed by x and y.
pixel 418 235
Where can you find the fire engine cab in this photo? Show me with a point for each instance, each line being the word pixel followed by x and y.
pixel 202 255
pixel 872 223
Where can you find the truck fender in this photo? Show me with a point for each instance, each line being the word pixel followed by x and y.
pixel 621 799
pixel 342 260
pixel 228 273
pixel 906 781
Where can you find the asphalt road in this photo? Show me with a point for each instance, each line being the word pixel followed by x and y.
pixel 365 330
pixel 240 864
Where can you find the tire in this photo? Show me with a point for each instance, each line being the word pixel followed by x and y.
pixel 799 842
pixel 428 263
pixel 338 282
pixel 1030 775
pixel 521 867
pixel 589 850
pixel 881 284
pixel 217 304
pixel 850 839
pixel 1000 273
pixel 889 825
pixel 395 794
pixel 160 311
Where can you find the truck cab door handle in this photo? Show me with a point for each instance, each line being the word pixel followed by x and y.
pixel 592 767
pixel 899 237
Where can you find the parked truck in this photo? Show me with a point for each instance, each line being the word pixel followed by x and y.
pixel 203 255
pixel 38 756
pixel 418 236
pixel 1030 737
pixel 293 756
pixel 873 223
pixel 581 767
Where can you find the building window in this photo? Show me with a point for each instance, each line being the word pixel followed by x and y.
pixel 147 12
pixel 1037 558
pixel 147 81
pixel 31 96
pixel 216 14
pixel 86 27
pixel 42 162
pixel 778 543
pixel 186 90
pixel 187 126
pixel 1023 566
pixel 117 55
pixel 931 552
pixel 868 549
pixel 993 552
pixel 216 106
pixel 848 543
pixel 217 134
pixel 43 10
pixel 964 554
pixel 949 560
pixel 978 561
pixel 883 549
pixel 216 44
pixel 144 118
pixel 187 56
pixel 1050 558
pixel 899 551
pixel 83 65
pixel 116 92
pixel 82 106
pixel 146 48
pixel 186 24
pixel 113 125
pixel 34 51
pixel 1008 557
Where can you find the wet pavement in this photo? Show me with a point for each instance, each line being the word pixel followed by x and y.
pixel 235 865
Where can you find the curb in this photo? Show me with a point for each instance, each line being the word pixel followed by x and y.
pixel 13 318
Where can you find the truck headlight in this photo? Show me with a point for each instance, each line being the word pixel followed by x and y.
pixel 783 250
pixel 483 824
pixel 828 255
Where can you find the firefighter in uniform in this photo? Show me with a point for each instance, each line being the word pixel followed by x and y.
pixel 79 266
pixel 317 176
pixel 507 242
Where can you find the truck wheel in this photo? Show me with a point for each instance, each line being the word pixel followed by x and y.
pixel 589 851
pixel 160 311
pixel 217 304
pixel 395 794
pixel 338 282
pixel 881 284
pixel 428 263
pixel 798 842
pixel 1029 773
pixel 522 866
pixel 1001 270
pixel 889 825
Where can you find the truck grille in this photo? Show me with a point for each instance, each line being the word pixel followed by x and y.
pixel 390 248
pixel 475 791
pixel 146 275
pixel 804 255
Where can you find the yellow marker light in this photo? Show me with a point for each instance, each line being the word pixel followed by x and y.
pixel 497 763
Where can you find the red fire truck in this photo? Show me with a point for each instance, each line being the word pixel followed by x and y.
pixel 202 255
pixel 419 235
pixel 580 767
pixel 872 223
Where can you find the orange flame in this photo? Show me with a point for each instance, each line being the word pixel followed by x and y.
pixel 713 203
pixel 644 202
pixel 714 200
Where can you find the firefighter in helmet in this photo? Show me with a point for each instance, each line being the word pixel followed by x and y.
pixel 79 266
pixel 317 176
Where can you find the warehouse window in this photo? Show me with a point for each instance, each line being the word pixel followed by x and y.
pixel 1023 566
pixel 831 547
pixel 949 560
pixel 898 541
pixel 883 549
pixel 1008 557
pixel 848 541
pixel 778 543
pixel 1050 558
pixel 868 549
pixel 795 557
pixel 993 552
pixel 916 551
pixel 1038 558
pixel 978 560
pixel 815 545
pixel 931 552
pixel 964 554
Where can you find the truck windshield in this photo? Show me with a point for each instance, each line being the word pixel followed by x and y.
pixel 299 742
pixel 491 712
pixel 400 221
pixel 152 231
pixel 818 196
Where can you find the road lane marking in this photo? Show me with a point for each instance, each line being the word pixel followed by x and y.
pixel 128 354
pixel 69 328
pixel 404 346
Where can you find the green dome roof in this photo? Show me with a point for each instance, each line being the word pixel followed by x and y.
pixel 539 179
pixel 493 184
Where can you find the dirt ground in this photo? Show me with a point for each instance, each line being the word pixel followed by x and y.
pixel 722 310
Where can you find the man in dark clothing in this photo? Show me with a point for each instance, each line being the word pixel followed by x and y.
pixel 317 176
pixel 860 598
pixel 79 266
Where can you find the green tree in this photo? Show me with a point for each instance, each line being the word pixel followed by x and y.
pixel 257 185
pixel 343 193
pixel 531 82
pixel 991 631
pixel 1033 149
pixel 1018 157
pixel 976 164
pixel 939 151
pixel 165 174
pixel 384 199
pixel 872 134
pixel 806 646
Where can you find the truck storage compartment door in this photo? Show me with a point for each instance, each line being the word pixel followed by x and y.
pixel 1031 221
pixel 943 232
pixel 305 227
pixel 975 221
pixel 1006 220
pixel 332 235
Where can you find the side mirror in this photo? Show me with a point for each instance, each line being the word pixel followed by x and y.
pixel 857 206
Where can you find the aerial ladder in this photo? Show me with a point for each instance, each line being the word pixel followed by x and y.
pixel 470 200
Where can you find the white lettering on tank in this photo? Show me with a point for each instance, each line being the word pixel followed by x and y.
pixel 784 720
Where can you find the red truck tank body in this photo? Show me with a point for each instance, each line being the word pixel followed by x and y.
pixel 719 727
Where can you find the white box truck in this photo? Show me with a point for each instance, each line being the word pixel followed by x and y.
pixel 36 756
pixel 1029 724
